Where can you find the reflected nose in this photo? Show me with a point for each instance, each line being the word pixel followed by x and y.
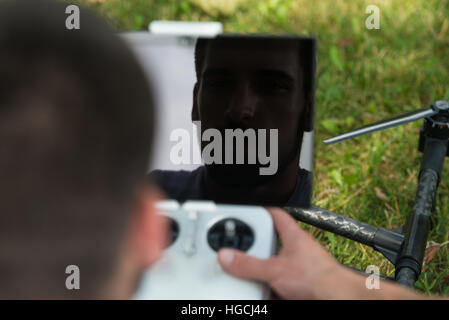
pixel 242 107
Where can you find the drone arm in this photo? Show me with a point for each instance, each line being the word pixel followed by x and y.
pixel 387 242
pixel 417 228
pixel 382 125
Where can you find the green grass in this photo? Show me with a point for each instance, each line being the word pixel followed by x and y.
pixel 363 76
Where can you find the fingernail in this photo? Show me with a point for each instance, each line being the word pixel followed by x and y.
pixel 226 256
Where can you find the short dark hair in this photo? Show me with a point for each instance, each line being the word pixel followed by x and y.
pixel 76 126
pixel 306 57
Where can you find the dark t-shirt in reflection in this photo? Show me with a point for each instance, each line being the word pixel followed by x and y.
pixel 187 185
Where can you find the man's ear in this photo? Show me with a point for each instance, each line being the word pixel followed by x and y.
pixel 308 114
pixel 195 111
pixel 150 229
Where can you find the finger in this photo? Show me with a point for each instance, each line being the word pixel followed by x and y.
pixel 292 234
pixel 285 225
pixel 244 266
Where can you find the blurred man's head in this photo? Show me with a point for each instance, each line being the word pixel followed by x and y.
pixel 76 121
pixel 255 83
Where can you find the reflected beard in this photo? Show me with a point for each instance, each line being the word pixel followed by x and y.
pixel 233 175
pixel 247 176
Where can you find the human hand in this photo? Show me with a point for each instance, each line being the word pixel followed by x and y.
pixel 299 269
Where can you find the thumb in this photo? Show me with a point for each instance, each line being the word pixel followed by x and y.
pixel 244 266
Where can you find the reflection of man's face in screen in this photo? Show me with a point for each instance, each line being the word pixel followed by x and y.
pixel 254 84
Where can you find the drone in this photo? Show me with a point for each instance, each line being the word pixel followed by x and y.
pixel 403 247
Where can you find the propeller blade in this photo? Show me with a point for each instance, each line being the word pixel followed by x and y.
pixel 383 124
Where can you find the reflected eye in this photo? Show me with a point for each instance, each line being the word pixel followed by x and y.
pixel 271 85
pixel 217 82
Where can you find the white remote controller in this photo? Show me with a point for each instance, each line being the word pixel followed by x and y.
pixel 189 268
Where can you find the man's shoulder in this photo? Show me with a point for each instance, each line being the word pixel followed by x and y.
pixel 302 195
pixel 170 174
pixel 178 184
pixel 306 174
